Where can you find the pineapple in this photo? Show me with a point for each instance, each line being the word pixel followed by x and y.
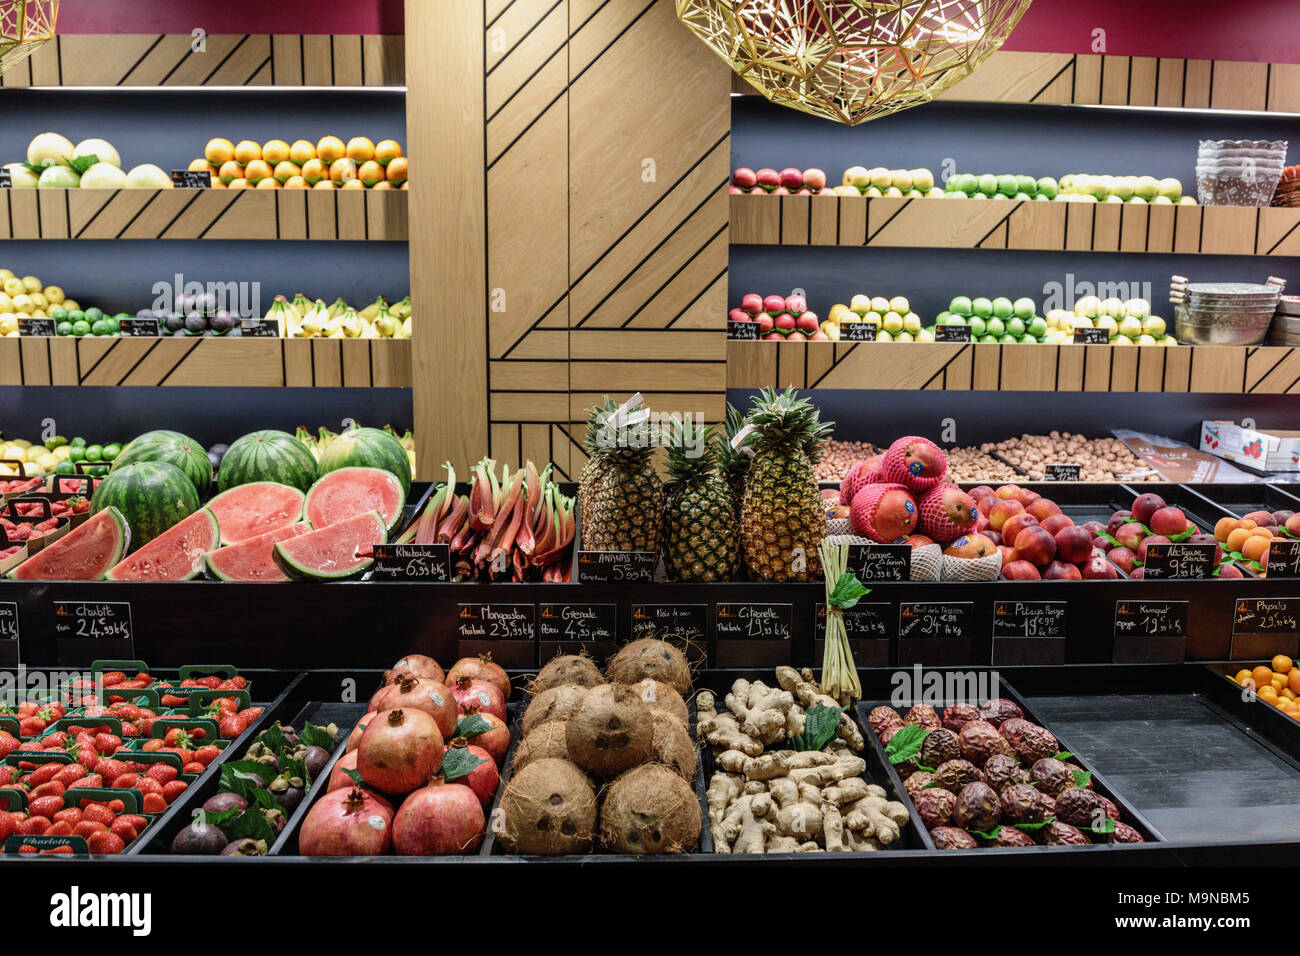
pixel 734 461
pixel 782 521
pixel 626 504
pixel 700 539
pixel 596 465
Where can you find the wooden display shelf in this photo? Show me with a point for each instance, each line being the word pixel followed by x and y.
pixel 226 59
pixel 360 214
pixel 1259 370
pixel 243 363
pixel 935 223
pixel 1090 79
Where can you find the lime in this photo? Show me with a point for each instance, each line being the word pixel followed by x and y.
pixel 94 453
pixel 99 327
pixel 94 314
pixel 63 328
pixel 76 315
pixel 58 313
pixel 81 328
pixel 76 453
pixel 55 442
pixel 65 468
pixel 114 324
pixel 78 442
pixel 112 451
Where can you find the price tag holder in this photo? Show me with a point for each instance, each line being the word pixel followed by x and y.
pixel 1091 337
pixel 1029 632
pixel 1284 559
pixel 87 631
pixel 1061 471
pixel 412 562
pixel 742 331
pixel 1150 632
pixel 1181 561
pixel 140 328
pixel 575 628
pixel 506 631
pixel 880 562
pixel 191 179
pixel 858 331
pixel 935 633
pixel 37 328
pixel 952 333
pixel 615 567
pixel 9 634
pixel 1265 627
pixel 869 628
pixel 259 328
pixel 684 624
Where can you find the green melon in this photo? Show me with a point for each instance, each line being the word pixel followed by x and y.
pixel 267 456
pixel 367 448
pixel 151 495
pixel 175 449
pixel 175 555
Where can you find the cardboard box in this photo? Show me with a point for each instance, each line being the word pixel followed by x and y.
pixel 1268 450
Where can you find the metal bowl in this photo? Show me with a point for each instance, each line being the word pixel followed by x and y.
pixel 1211 328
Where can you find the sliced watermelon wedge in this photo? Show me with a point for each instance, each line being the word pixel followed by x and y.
pixel 175 555
pixel 253 560
pixel 247 511
pixel 349 492
pixel 83 554
pixel 335 553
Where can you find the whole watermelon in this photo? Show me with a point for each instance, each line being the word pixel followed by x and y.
pixel 151 495
pixel 267 456
pixel 367 448
pixel 175 449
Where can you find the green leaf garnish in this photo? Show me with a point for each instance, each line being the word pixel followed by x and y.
pixel 847 592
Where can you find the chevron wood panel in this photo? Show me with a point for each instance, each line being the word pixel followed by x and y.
pixel 254 59
pixel 204 214
pixel 1262 370
pixel 1085 79
pixel 236 363
pixel 1010 224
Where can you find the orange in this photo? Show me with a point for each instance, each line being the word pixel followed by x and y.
pixel 314 171
pixel 257 170
pixel 1262 675
pixel 1225 526
pixel 352 184
pixel 295 182
pixel 329 149
pixel 268 183
pixel 370 173
pixel 219 151
pixel 230 171
pixel 324 184
pixel 275 152
pixel 1282 664
pixel 1237 538
pixel 342 170
pixel 247 151
pixel 1293 680
pixel 286 170
pixel 360 150
pixel 1286 692
pixel 301 151
pixel 387 150
pixel 396 171
pixel 1255 548
pixel 383 185
pixel 1278 682
pixel 1241 675
pixel 240 183
pixel 1268 692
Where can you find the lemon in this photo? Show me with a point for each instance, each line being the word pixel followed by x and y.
pixel 48 462
pixel 54 294
pixel 62 453
pixel 23 303
pixel 32 284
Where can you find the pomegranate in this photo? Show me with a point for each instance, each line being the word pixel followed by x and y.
pixel 495 741
pixel 421 693
pixel 481 668
pixel 472 692
pixel 483 779
pixel 347 823
pixel 400 750
pixel 416 665
pixel 438 820
pixel 339 778
pixel 354 738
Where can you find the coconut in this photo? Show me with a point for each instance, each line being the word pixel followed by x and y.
pixel 664 698
pixel 611 732
pixel 671 745
pixel 650 810
pixel 650 657
pixel 545 740
pixel 567 669
pixel 548 808
pixel 558 703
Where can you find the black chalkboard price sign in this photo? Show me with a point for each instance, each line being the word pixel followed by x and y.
pixel 753 622
pixel 1181 561
pixel 412 562
pixel 36 328
pixel 612 567
pixel 934 620
pixel 952 333
pixel 1029 618
pixel 1091 337
pixel 880 562
pixel 140 328
pixel 1284 559
pixel 1061 471
pixel 584 623
pixel 191 179
pixel 742 331
pixel 858 331
pixel 259 328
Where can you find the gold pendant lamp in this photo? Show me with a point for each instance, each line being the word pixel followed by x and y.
pixel 24 26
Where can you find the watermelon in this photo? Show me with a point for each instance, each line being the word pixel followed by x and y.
pixel 175 555
pixel 175 449
pixel 249 511
pixel 84 554
pixel 151 495
pixel 252 560
pixel 267 456
pixel 367 448
pixel 332 554
pixel 347 492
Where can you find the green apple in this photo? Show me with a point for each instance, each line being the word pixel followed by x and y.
pixel 1008 339
pixel 978 327
pixel 1039 197
pixel 988 183
pixel 1137 307
pixel 1038 326
pixel 880 178
pixel 1024 307
pixel 1026 184
pixel 1154 326
pixel 961 305
pixel 871 192
pixel 979 196
pixel 1002 196
pixel 857 176
pixel 1002 307
pixel 1047 187
pixel 942 317
pixel 1113 307
pixel 955 194
pixel 883 336
pixel 989 339
pixel 912 322
pixel 1022 197
pixel 1107 323
pixel 1007 184
pixel 981 306
pixel 922 178
pixel 1130 327
pixel 1148 186
pixel 1016 326
pixel 953 319
pixel 1089 306
pixel 995 327
pixel 968 183
pixel 1170 188
pixel 893 322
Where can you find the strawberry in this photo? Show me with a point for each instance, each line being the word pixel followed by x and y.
pixel 110 770
pixel 55 851
pixel 148 785
pixel 92 780
pixel 107 843
pixel 107 743
pixel 123 828
pixel 153 803
pixel 126 781
pixel 70 815
pixel 207 753
pixel 194 768
pixel 88 828
pixel 43 774
pixel 171 791
pixel 30 726
pixel 7 824
pixel 113 678
pixel 60 829
pixel 32 826
pixel 73 771
pixel 98 812
pixel 151 745
pixel 51 788
pixel 45 806
pixel 162 772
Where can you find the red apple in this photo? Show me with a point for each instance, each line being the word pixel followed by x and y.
pixel 768 178
pixel 1061 571
pixel 985 504
pixel 735 191
pixel 1150 539
pixel 774 304
pixel 1097 568
pixel 796 303
pixel 784 322
pixel 994 536
pixel 982 522
pixel 765 323
pixel 1027 497
pixel 1138 574
pixel 814 178
pixel 1230 571
pixel 752 303
pixel 1035 545
pixel 1020 571
pixel 1043 508
pixel 739 315
pixel 1102 544
pixel 1016 524
pixel 1073 544
pixel 808 323
pixel 1144 506
pixel 804 192
pixel 758 191
pixel 1117 521
pixel 1168 521
pixel 819 336
pixel 1055 523
pixel 745 178
pixel 1094 527
pixel 791 178
pixel 1122 558
pixel 774 337
pixel 1003 510
pixel 779 191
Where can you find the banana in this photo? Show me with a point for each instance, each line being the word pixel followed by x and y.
pixel 401 309
pixel 313 323
pixel 373 309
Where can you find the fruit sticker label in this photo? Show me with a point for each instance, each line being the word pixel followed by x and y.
pixel 412 562
pixel 862 622
pixel 36 328
pixel 605 567
pixel 742 331
pixel 259 328
pixel 753 622
pixel 191 179
pixel 497 622
pixel 1284 559
pixel 880 562
pixel 140 328
pixel 932 620
pixel 952 333
pixel 1181 561
pixel 1043 619
pixel 1061 471
pixel 578 622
